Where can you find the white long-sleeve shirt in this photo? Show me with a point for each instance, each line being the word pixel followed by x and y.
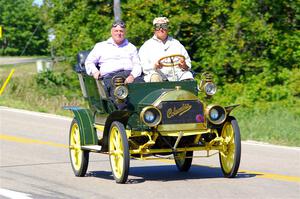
pixel 111 57
pixel 154 49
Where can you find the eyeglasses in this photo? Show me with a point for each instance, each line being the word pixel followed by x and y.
pixel 118 23
pixel 159 26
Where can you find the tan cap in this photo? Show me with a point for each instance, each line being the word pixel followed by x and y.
pixel 160 20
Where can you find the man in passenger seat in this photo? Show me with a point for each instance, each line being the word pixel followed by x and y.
pixel 115 56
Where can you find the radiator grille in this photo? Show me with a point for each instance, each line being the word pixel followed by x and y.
pixel 178 112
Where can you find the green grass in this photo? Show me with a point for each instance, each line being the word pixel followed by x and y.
pixel 273 122
pixel 20 70
pixel 25 92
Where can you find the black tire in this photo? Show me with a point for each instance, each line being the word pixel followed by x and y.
pixel 79 158
pixel 184 164
pixel 119 162
pixel 230 158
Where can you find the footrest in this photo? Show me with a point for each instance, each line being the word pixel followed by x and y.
pixel 95 148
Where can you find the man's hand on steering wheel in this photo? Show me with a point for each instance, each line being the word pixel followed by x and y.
pixel 157 65
pixel 182 64
pixel 172 61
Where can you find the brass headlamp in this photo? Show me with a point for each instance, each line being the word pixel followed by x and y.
pixel 207 84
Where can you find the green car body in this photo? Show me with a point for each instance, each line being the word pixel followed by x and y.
pixel 161 118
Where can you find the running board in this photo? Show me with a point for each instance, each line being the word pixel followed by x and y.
pixel 95 148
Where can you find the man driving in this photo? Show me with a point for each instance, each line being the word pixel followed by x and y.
pixel 162 45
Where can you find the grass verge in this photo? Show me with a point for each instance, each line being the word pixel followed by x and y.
pixel 272 123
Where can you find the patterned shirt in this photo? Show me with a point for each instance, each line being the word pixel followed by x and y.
pixel 111 57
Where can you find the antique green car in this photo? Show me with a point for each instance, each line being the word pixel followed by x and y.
pixel 163 119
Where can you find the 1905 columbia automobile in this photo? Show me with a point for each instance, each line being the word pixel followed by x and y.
pixel 163 119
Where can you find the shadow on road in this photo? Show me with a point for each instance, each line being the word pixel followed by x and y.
pixel 168 173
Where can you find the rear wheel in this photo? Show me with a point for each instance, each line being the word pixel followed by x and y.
pixel 230 155
pixel 79 158
pixel 184 160
pixel 118 152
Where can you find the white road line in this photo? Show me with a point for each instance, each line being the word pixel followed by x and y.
pixel 263 144
pixel 14 194
pixel 35 113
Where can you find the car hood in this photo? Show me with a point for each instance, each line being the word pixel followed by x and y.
pixel 156 97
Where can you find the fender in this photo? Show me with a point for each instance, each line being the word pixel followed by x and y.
pixel 230 108
pixel 88 135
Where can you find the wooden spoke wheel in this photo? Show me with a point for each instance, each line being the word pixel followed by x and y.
pixel 79 158
pixel 231 154
pixel 118 152
pixel 184 160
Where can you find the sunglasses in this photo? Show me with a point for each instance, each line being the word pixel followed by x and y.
pixel 119 23
pixel 159 26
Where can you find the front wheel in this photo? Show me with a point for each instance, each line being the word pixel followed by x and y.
pixel 230 155
pixel 118 152
pixel 183 160
pixel 79 158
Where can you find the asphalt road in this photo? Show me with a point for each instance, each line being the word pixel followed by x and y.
pixel 35 164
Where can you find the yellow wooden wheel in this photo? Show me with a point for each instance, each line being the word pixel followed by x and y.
pixel 230 155
pixel 183 160
pixel 118 152
pixel 79 158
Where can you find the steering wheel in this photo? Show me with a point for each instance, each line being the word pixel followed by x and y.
pixel 171 60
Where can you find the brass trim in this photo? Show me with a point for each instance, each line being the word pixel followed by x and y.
pixel 185 133
pixel 183 127
pixel 207 110
pixel 171 57
pixel 169 133
pixel 172 112
pixel 123 96
pixel 177 87
pixel 197 148
pixel 175 95
pixel 141 133
pixel 143 112
pixel 206 84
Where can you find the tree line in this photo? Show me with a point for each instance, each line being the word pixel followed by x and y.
pixel 235 39
pixel 23 30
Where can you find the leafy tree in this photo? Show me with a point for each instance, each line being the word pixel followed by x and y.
pixel 23 30
pixel 239 40
pixel 246 38
pixel 77 24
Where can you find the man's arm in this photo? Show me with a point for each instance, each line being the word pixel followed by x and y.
pixel 146 63
pixel 91 62
pixel 136 65
pixel 184 65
